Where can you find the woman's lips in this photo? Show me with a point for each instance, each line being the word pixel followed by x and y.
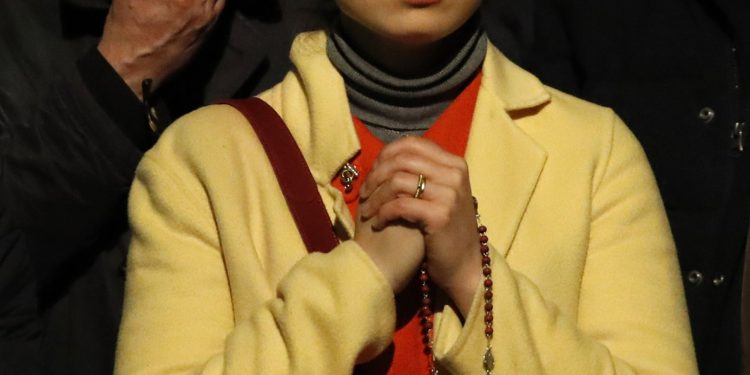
pixel 422 3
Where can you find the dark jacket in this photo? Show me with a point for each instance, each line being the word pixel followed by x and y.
pixel 745 313
pixel 678 72
pixel 19 324
pixel 71 135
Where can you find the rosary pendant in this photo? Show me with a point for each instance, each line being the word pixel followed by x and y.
pixel 488 361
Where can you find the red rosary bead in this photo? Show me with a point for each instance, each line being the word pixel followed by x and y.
pixel 425 312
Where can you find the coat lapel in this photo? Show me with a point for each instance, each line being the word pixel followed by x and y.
pixel 504 169
pixel 504 162
pixel 334 140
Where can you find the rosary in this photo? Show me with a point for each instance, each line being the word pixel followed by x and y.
pixel 426 314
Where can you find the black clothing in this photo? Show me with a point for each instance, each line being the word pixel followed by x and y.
pixel 745 313
pixel 19 324
pixel 71 135
pixel 509 25
pixel 678 73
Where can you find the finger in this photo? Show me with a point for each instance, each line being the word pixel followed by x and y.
pixel 387 169
pixel 436 173
pixel 211 8
pixel 402 185
pixel 420 212
pixel 420 146
pixel 218 6
pixel 397 186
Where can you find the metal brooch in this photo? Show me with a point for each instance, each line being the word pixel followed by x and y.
pixel 349 173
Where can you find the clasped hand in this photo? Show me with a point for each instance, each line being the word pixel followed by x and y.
pixel 398 230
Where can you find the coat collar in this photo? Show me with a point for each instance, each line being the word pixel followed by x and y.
pixel 504 167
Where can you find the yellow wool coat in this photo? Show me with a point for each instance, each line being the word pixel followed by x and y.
pixel 219 281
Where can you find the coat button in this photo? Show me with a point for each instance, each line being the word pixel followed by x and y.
pixel 706 115
pixel 718 280
pixel 695 277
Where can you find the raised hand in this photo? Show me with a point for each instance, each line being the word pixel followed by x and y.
pixel 153 39
pixel 444 211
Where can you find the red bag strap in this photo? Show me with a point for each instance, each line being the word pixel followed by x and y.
pixel 292 173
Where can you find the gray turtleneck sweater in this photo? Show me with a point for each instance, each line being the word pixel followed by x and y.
pixel 393 107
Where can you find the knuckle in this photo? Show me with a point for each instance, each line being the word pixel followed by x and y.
pixel 404 140
pixel 455 176
pixel 183 4
pixel 452 196
pixel 400 180
pixel 401 159
pixel 462 166
pixel 442 217
pixel 401 204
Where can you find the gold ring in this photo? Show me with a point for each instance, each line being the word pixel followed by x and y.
pixel 421 185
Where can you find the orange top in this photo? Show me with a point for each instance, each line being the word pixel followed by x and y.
pixel 451 132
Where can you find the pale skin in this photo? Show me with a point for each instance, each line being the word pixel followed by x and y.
pixel 444 213
pixel 154 39
pixel 444 230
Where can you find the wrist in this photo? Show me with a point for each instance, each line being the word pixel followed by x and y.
pixel 464 286
pixel 130 64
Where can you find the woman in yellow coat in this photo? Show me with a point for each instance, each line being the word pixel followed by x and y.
pixel 584 278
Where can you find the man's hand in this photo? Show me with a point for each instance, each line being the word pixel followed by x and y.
pixel 153 39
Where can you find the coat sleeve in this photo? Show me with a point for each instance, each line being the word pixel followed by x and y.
pixel 631 315
pixel 329 311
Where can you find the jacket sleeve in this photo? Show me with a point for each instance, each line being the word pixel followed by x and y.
pixel 631 316
pixel 66 166
pixel 181 312
pixel 66 171
pixel 20 328
pixel 67 163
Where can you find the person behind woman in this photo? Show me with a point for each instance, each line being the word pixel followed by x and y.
pixel 572 272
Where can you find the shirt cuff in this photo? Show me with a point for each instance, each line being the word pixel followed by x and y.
pixel 116 98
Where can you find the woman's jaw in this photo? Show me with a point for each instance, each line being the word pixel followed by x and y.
pixel 407 37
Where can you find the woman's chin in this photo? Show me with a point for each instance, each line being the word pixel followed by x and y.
pixel 417 35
